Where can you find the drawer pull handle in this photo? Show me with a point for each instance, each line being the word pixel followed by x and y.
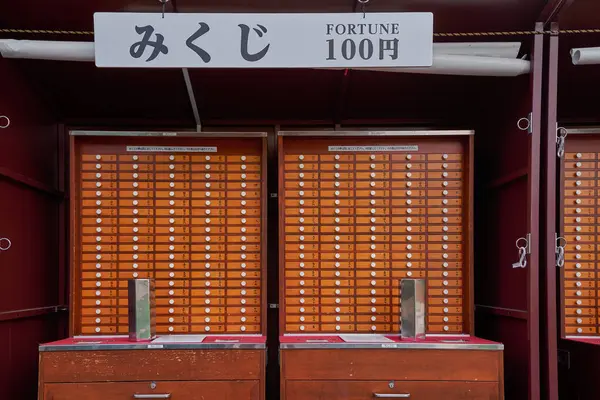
pixel 392 395
pixel 152 396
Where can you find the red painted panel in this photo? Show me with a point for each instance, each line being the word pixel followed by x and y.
pixel 502 220
pixel 19 354
pixel 507 208
pixel 578 85
pixel 82 91
pixel 580 14
pixel 29 218
pixel 578 374
pixel 412 96
pixel 30 267
pixel 266 94
pixel 548 209
pixel 28 145
pixel 511 332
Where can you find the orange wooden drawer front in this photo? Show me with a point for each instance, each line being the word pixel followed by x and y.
pixel 382 364
pixel 147 365
pixel 390 214
pixel 217 390
pixel 186 219
pixel 414 390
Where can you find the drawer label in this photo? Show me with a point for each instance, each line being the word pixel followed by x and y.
pixel 171 149
pixel 373 148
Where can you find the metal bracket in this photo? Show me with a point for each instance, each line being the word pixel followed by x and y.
pixel 564 359
pixel 524 247
pixel 526 124
pixel 561 135
pixel 4 122
pixel 273 195
pixel 273 305
pixel 528 245
pixel 5 244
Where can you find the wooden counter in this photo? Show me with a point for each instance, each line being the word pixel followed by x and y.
pixel 451 368
pixel 109 369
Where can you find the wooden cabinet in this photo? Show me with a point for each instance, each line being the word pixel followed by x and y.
pixel 180 374
pixel 186 212
pixel 365 212
pixel 579 217
pixel 365 373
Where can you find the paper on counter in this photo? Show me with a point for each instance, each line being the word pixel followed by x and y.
pixel 365 338
pixel 179 339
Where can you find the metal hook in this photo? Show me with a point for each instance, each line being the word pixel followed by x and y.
pixel 363 4
pixel 561 135
pixel 527 126
pixel 522 263
pixel 560 251
pixel 5 125
pixel 8 244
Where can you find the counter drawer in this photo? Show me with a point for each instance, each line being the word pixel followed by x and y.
pixel 147 365
pixel 216 390
pixel 413 390
pixel 392 364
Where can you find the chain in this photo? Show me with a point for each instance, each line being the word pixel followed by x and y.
pixel 456 34
pixel 561 135
pixel 45 32
pixel 560 251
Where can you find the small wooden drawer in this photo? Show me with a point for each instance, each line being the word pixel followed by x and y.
pixel 187 390
pixel 414 390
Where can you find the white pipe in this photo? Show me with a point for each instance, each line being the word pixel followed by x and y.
pixel 443 64
pixel 482 49
pixel 47 50
pixel 467 65
pixel 585 56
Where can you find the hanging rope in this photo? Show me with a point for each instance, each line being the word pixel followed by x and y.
pixel 456 34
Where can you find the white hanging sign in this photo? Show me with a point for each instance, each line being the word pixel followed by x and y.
pixel 149 40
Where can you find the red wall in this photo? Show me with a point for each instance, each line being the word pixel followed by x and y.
pixel 32 270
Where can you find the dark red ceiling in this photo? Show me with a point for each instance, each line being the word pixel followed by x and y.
pixel 578 86
pixel 580 14
pixel 450 15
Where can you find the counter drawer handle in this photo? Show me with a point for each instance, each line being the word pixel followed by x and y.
pixel 392 395
pixel 152 396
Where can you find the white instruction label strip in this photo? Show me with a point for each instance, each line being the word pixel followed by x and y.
pixel 373 148
pixel 163 149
